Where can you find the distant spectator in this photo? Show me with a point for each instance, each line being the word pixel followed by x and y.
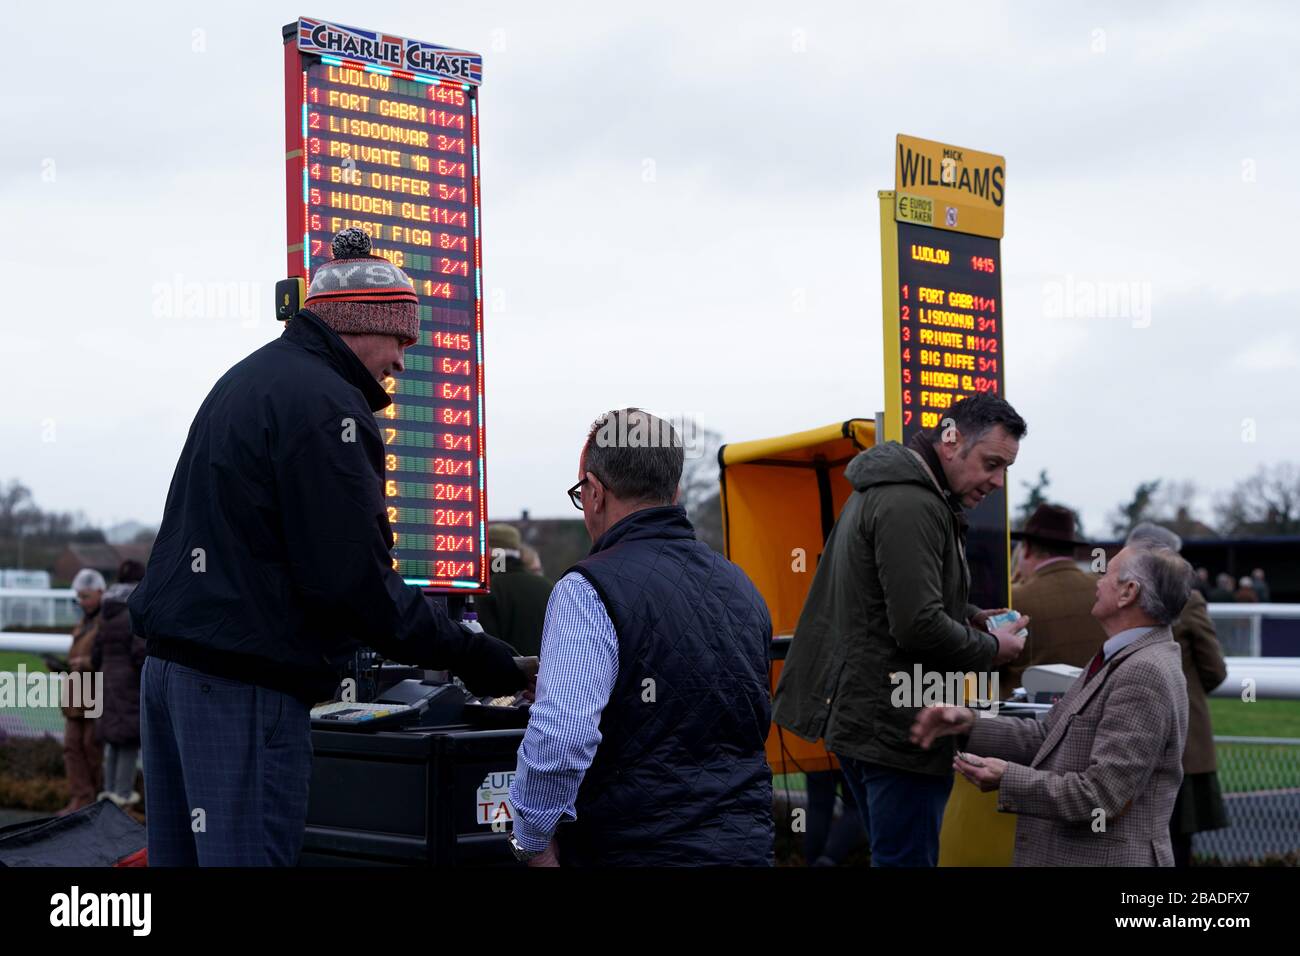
pixel 1245 593
pixel 1222 591
pixel 120 655
pixel 1260 585
pixel 515 610
pixel 1202 582
pixel 532 560
pixel 81 755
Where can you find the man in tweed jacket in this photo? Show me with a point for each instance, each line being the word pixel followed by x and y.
pixel 1094 783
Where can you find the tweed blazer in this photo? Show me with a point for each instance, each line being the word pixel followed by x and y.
pixel 1094 783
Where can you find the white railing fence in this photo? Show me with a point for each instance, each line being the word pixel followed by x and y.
pixel 1241 626
pixel 38 607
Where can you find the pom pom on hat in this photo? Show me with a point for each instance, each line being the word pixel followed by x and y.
pixel 351 243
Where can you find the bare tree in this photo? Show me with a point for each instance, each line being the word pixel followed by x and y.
pixel 1266 503
pixel 21 518
pixel 1140 509
pixel 700 470
pixel 699 488
pixel 1036 496
pixel 17 510
pixel 1175 500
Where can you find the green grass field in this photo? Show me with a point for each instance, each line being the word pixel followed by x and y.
pixel 45 719
pixel 9 661
pixel 1247 767
pixel 1261 718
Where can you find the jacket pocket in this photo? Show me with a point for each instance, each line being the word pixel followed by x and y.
pixel 1085 848
pixel 195 676
pixel 891 725
pixel 1082 726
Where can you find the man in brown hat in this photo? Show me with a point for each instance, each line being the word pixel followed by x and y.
pixel 515 610
pixel 1056 594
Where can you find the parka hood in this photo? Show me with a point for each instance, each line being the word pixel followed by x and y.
pixel 887 464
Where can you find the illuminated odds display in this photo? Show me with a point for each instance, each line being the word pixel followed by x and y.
pixel 382 133
pixel 940 235
pixel 949 321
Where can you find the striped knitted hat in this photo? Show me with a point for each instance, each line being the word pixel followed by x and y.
pixel 360 293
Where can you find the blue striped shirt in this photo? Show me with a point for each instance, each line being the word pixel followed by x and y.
pixel 579 664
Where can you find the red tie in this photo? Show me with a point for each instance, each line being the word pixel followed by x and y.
pixel 1095 665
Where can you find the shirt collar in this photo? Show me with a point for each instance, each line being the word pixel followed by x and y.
pixel 1123 639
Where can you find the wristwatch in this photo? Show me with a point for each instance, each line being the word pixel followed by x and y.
pixel 522 855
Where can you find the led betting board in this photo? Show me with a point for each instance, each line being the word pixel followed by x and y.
pixel 382 133
pixel 943 318
pixel 949 322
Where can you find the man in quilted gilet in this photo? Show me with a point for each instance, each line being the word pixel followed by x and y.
pixel 645 743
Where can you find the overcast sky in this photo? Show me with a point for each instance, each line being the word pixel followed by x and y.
pixel 1151 145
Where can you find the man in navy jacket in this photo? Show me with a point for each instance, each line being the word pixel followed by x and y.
pixel 273 565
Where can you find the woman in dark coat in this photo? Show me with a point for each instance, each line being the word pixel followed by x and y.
pixel 119 655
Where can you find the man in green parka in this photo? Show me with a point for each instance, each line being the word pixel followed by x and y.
pixel 891 593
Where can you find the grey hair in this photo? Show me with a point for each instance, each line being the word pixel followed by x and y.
pixel 1148 535
pixel 88 579
pixel 637 456
pixel 1164 581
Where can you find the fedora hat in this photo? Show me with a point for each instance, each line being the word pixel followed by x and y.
pixel 1049 523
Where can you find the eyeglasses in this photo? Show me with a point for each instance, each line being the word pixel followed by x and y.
pixel 575 493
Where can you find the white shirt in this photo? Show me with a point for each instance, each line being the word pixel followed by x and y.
pixel 578 671
pixel 1123 639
